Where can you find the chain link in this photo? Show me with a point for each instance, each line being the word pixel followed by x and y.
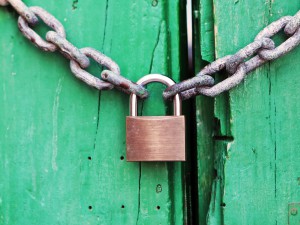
pixel 262 50
pixel 36 39
pixel 293 25
pixel 3 3
pixel 79 58
pixel 68 49
pixel 22 9
pixel 286 46
pixel 124 84
pixel 88 78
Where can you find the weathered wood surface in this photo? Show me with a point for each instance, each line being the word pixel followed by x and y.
pixel 204 53
pixel 62 144
pixel 257 124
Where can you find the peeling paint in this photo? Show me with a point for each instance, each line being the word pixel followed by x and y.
pixel 55 123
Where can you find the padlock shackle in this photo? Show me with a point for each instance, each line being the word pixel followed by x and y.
pixel 155 78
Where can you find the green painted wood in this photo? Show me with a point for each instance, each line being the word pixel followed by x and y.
pixel 258 171
pixel 62 143
pixel 205 18
pixel 204 53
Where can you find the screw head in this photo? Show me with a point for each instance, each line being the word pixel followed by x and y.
pixel 154 3
pixel 158 188
pixel 294 211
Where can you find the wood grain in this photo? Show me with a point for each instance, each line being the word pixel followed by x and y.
pixel 257 142
pixel 62 144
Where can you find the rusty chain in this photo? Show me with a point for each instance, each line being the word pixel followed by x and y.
pixel 237 66
pixel 79 58
pixel 262 50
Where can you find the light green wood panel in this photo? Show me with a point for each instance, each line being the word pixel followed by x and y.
pixel 62 142
pixel 260 168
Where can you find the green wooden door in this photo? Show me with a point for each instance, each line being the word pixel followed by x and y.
pixel 255 127
pixel 62 145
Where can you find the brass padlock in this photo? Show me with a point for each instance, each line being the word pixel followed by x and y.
pixel 155 138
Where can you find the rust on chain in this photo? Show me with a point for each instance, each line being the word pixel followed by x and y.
pixel 235 64
pixel 286 46
pixel 226 84
pixel 88 78
pixel 197 81
pixel 187 88
pixel 282 49
pixel 263 46
pixel 254 63
pixel 215 66
pixel 78 57
pixel 248 51
pixel 124 84
pixel 293 25
pixel 68 49
pixel 273 28
pixel 101 59
pixel 249 66
pixel 36 39
pixel 24 11
pixel 217 89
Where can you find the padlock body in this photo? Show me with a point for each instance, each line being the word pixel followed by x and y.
pixel 155 138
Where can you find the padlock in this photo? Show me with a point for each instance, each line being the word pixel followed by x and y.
pixel 155 138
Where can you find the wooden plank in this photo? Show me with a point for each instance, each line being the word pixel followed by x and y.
pixel 62 158
pixel 204 53
pixel 260 172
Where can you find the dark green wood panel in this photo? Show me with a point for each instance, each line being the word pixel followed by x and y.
pixel 204 53
pixel 259 171
pixel 62 142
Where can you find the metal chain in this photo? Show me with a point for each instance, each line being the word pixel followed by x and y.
pixel 262 50
pixel 79 58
